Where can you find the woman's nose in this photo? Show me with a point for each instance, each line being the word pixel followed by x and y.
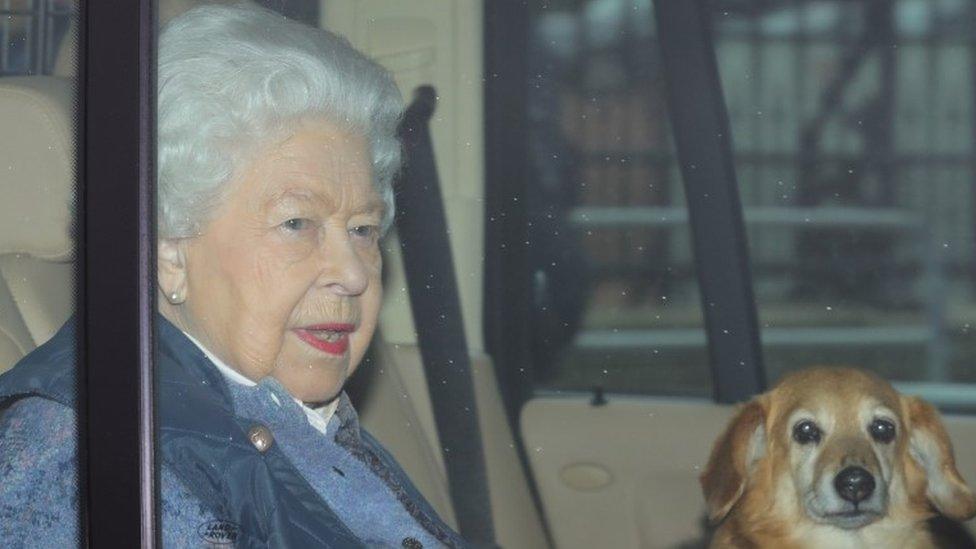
pixel 343 270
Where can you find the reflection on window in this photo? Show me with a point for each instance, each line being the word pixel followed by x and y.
pixel 38 481
pixel 853 133
pixel 31 35
pixel 37 181
pixel 616 300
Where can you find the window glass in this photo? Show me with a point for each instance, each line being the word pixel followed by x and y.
pixel 277 143
pixel 38 113
pixel 853 135
pixel 615 298
pixel 32 35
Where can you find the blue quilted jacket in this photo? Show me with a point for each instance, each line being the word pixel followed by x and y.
pixel 306 489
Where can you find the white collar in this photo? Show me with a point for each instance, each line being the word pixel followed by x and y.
pixel 318 417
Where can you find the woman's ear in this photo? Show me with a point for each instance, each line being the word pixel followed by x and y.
pixel 733 457
pixel 930 447
pixel 171 269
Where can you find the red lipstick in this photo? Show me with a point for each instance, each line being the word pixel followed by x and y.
pixel 331 338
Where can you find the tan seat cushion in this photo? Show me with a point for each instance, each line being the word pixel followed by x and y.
pixel 37 149
pixel 394 405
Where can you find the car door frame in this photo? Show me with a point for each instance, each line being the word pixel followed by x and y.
pixel 115 272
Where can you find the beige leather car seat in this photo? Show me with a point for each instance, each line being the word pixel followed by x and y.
pixel 394 405
pixel 36 192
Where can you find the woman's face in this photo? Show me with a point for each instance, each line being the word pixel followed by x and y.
pixel 285 280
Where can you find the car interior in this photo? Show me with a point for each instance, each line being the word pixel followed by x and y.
pixel 570 464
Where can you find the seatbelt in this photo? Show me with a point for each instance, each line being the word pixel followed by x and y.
pixel 422 227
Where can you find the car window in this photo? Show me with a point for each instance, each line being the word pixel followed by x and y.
pixel 852 131
pixel 853 135
pixel 615 300
pixel 32 32
pixel 39 138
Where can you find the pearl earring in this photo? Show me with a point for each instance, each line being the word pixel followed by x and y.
pixel 174 296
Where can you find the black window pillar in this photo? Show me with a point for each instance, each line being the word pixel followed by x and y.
pixel 116 229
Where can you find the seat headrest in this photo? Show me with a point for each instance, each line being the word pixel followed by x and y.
pixel 37 175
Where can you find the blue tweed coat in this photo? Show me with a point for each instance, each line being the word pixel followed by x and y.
pixel 340 489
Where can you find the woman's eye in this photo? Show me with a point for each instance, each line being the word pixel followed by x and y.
pixel 297 224
pixel 367 232
pixel 882 430
pixel 806 432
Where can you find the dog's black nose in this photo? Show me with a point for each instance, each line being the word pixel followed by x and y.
pixel 854 484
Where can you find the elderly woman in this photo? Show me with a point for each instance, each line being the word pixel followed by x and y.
pixel 276 148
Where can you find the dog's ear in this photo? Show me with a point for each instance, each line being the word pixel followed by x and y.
pixel 930 447
pixel 733 457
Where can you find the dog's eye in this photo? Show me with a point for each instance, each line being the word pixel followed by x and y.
pixel 806 432
pixel 882 430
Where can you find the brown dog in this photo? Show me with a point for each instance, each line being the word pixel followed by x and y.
pixel 833 458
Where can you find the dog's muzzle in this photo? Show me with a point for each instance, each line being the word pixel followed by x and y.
pixel 850 499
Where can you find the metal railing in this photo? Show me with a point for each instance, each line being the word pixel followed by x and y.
pixel 827 217
pixel 932 334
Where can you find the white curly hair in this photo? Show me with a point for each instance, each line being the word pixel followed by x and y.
pixel 229 77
